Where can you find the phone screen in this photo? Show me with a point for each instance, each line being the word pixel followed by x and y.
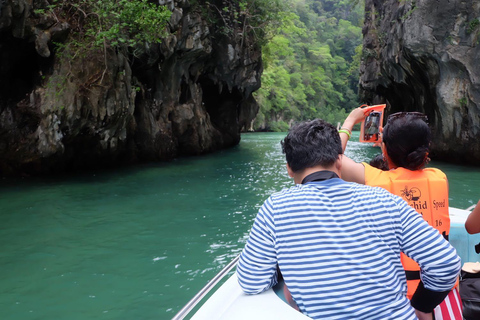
pixel 372 126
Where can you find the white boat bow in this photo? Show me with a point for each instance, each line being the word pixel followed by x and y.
pixel 229 302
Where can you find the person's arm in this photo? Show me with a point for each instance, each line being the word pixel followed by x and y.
pixel 351 170
pixel 472 224
pixel 356 116
pixel 438 260
pixel 257 266
pixel 423 315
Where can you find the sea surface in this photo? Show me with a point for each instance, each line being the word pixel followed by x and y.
pixel 138 243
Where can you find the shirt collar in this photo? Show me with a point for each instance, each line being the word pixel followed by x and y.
pixel 320 176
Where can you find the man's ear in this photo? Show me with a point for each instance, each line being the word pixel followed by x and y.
pixel 290 171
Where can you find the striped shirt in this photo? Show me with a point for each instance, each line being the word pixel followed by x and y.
pixel 338 247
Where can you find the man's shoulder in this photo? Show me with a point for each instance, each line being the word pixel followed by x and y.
pixel 368 188
pixel 289 191
pixel 300 190
pixel 375 193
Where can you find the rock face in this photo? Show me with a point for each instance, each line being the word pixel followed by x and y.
pixel 189 95
pixel 424 56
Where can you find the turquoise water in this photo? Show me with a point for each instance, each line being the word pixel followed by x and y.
pixel 138 243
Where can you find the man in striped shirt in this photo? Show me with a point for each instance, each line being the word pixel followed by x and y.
pixel 337 243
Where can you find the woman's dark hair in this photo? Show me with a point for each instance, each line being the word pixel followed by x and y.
pixel 311 143
pixel 407 139
pixel 379 162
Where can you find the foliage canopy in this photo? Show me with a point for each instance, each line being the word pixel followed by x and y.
pixel 311 64
pixel 117 24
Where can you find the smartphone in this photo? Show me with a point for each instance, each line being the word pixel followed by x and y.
pixel 371 126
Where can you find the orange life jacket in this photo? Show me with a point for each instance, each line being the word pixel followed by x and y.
pixel 427 192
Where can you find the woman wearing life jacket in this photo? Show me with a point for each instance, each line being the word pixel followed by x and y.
pixel 405 147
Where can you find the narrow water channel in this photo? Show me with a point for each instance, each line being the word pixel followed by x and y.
pixel 138 243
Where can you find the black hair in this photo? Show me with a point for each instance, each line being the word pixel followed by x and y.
pixel 311 143
pixel 407 140
pixel 379 162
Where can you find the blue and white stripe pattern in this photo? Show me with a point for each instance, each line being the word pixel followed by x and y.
pixel 338 246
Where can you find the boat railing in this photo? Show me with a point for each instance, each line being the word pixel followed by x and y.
pixel 205 290
pixel 471 207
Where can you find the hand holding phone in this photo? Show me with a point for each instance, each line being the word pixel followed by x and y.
pixel 372 125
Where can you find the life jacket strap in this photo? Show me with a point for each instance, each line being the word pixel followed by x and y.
pixel 412 275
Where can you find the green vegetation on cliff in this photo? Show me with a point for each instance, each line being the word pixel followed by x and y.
pixel 311 64
pixel 238 18
pixel 311 48
pixel 108 24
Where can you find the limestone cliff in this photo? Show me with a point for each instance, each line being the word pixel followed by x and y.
pixel 189 95
pixel 423 56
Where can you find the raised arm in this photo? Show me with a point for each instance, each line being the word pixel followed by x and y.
pixel 472 224
pixel 351 170
pixel 356 116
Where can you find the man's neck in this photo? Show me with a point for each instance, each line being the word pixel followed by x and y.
pixel 299 176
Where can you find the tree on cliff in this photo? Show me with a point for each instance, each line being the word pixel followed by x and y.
pixel 311 64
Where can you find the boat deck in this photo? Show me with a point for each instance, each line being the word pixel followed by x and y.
pixel 235 305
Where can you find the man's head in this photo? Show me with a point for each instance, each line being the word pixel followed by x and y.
pixel 310 144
